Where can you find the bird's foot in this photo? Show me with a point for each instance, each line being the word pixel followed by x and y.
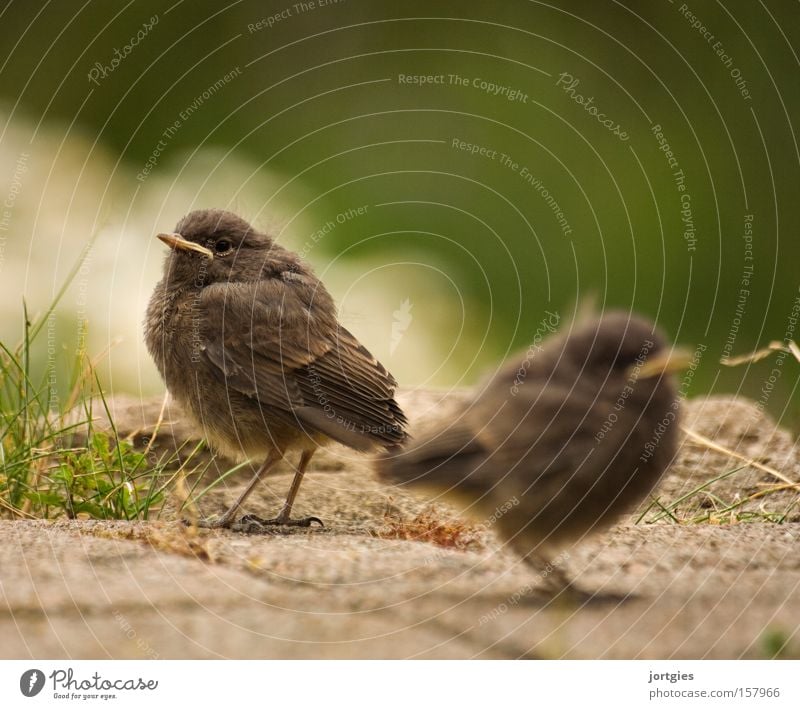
pixel 553 583
pixel 568 594
pixel 558 589
pixel 254 524
pixel 572 596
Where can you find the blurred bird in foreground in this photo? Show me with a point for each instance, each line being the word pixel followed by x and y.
pixel 560 442
pixel 247 340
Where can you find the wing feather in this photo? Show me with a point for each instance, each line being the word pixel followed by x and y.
pixel 296 358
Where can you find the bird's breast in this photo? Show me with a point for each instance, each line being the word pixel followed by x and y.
pixel 174 332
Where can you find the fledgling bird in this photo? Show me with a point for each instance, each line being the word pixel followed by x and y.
pixel 247 340
pixel 561 442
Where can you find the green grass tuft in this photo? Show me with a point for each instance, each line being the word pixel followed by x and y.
pixel 53 463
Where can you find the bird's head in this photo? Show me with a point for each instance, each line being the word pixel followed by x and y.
pixel 212 245
pixel 620 349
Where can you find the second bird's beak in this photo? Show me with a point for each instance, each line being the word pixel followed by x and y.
pixel 176 241
pixel 665 363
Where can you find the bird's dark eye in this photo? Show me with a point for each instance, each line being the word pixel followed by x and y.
pixel 223 246
pixel 623 361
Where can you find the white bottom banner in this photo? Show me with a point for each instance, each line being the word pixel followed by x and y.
pixel 385 684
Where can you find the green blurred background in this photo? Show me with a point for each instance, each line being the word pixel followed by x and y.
pixel 443 260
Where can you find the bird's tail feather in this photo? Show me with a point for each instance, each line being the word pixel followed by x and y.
pixel 440 459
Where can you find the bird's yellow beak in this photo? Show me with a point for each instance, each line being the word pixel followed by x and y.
pixel 665 363
pixel 176 241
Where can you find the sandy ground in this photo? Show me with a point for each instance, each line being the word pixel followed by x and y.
pixel 720 588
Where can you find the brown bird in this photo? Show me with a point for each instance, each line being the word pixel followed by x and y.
pixel 561 442
pixel 247 341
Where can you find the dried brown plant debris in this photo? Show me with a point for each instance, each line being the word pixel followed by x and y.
pixel 433 526
pixel 173 538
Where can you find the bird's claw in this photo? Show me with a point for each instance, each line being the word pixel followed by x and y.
pixel 253 523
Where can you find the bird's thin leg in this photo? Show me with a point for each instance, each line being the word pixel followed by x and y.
pixel 305 459
pixel 554 580
pixel 557 587
pixel 227 519
pixel 284 518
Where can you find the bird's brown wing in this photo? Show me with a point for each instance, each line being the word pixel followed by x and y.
pixel 279 342
pixel 544 433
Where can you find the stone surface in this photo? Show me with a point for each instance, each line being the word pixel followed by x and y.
pixel 741 426
pixel 97 589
